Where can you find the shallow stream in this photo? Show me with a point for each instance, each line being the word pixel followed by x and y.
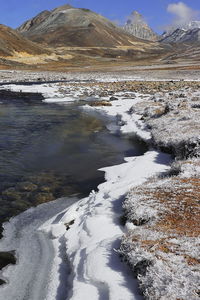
pixel 48 151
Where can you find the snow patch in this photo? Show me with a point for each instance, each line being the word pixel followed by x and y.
pixel 126 122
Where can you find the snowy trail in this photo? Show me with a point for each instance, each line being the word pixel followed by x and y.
pixel 36 252
pixel 82 262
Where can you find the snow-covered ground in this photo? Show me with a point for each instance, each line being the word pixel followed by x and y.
pixel 82 239
pixel 89 245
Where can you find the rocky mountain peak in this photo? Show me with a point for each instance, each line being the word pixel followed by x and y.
pixel 34 22
pixel 188 32
pixel 137 26
pixel 191 25
pixel 62 8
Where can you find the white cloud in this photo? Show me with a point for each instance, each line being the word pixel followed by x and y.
pixel 182 13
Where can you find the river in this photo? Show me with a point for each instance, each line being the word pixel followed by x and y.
pixel 49 151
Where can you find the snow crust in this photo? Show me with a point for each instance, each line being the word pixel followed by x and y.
pixel 48 90
pixel 71 251
pixel 59 100
pixel 40 261
pixel 91 240
pixel 52 93
pixel 126 122
pixel 89 244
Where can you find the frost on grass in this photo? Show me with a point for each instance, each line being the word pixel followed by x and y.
pixel 173 119
pixel 164 252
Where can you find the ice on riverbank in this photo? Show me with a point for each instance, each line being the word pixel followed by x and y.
pixel 87 233
pixel 89 244
pixel 47 90
pixel 124 121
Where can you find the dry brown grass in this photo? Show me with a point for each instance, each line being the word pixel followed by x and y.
pixel 178 217
pixel 183 207
pixel 101 103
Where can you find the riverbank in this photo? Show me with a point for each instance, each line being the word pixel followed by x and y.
pixel 163 237
pixel 165 115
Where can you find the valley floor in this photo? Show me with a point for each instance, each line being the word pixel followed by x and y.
pixel 116 72
pixel 157 231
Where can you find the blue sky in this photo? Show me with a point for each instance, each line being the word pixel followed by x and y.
pixel 15 12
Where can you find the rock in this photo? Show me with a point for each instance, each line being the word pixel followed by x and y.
pixel 137 26
pixel 101 103
pixel 195 98
pixel 11 194
pixel 66 191
pixel 69 224
pixel 43 198
pixel 113 98
pixel 26 186
pixel 22 205
pixel 45 188
pixel 44 178
pixel 155 111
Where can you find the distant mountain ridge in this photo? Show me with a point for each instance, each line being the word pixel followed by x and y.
pixel 68 26
pixel 186 33
pixel 137 26
pixel 191 25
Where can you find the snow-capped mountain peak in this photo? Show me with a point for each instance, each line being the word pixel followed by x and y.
pixel 191 25
pixel 137 26
pixel 188 32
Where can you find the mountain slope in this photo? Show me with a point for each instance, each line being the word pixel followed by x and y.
pixel 29 25
pixel 68 26
pixel 188 33
pixel 137 26
pixel 12 42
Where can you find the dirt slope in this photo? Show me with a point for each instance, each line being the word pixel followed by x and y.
pixel 12 42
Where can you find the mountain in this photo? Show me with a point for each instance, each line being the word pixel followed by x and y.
pixel 187 33
pixel 185 53
pixel 191 25
pixel 31 24
pixel 68 26
pixel 137 26
pixel 12 43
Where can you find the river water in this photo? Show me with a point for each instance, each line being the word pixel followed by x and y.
pixel 48 151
